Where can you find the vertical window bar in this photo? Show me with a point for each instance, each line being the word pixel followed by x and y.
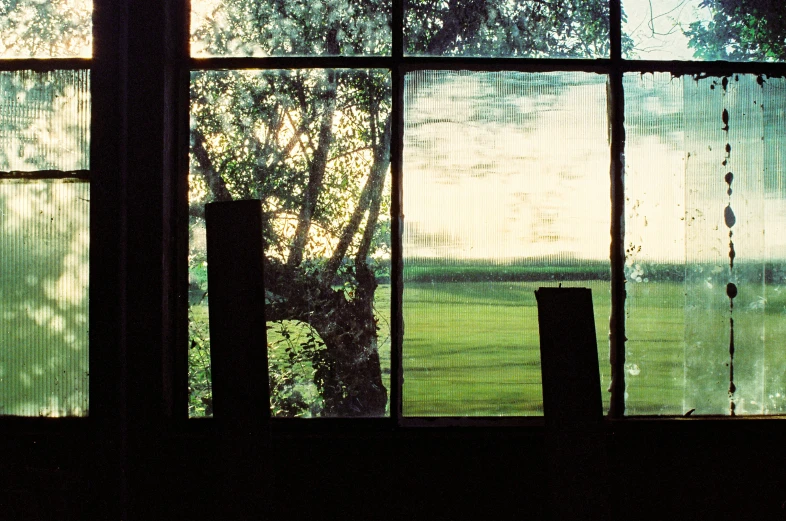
pixel 179 86
pixel 616 100
pixel 396 218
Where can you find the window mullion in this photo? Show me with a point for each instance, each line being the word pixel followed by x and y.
pixel 397 218
pixel 616 100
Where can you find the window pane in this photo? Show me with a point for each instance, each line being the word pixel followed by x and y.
pixel 44 120
pixel 314 146
pixel 705 30
pixel 44 243
pixel 290 28
pixel 49 29
pixel 525 28
pixel 506 179
pixel 705 267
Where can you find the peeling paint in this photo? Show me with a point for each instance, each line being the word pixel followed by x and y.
pixel 730 219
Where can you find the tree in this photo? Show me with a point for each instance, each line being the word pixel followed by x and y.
pixel 314 145
pixel 535 28
pixel 750 30
pixel 315 148
pixel 51 29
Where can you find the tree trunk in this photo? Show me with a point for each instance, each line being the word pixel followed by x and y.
pixel 348 371
pixel 316 172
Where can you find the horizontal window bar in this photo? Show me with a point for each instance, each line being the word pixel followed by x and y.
pixel 506 64
pixel 408 63
pixel 289 62
pixel 704 68
pixel 46 174
pixel 483 64
pixel 44 64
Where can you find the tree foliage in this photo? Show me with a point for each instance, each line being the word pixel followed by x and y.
pixel 45 29
pixel 535 28
pixel 747 30
pixel 291 27
pixel 314 145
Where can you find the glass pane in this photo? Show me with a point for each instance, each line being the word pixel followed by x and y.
pixel 46 29
pixel 314 146
pixel 704 30
pixel 705 266
pixel 506 179
pixel 44 245
pixel 290 28
pixel 496 28
pixel 44 120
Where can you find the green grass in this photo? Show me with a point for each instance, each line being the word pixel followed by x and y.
pixel 472 348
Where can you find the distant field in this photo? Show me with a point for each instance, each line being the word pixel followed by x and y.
pixel 471 348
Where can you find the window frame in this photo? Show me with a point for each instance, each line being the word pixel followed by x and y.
pixel 96 400
pixel 614 67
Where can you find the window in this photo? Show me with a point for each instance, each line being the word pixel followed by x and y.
pixel 45 111
pixel 424 167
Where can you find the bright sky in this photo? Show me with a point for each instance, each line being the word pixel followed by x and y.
pixel 656 27
pixel 504 166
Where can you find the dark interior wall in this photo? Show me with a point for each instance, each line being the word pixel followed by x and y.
pixel 698 469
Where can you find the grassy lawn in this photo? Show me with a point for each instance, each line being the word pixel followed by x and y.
pixel 472 348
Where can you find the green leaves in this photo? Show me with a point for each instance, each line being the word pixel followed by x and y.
pixel 751 31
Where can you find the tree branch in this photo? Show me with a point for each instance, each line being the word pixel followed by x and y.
pixel 215 182
pixel 316 172
pixel 379 168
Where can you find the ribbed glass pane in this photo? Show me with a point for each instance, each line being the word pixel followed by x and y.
pixel 44 245
pixel 46 29
pixel 705 267
pixel 704 30
pixel 506 189
pixel 44 242
pixel 290 28
pixel 44 120
pixel 314 146
pixel 497 28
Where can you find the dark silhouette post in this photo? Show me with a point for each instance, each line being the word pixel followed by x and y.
pixel 238 337
pixel 238 349
pixel 575 441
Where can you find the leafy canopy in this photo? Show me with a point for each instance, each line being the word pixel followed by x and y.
pixel 740 30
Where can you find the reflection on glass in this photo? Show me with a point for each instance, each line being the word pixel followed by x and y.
pixel 506 179
pixel 48 29
pixel 44 245
pixel 44 120
pixel 705 30
pixel 314 145
pixel 705 264
pixel 525 28
pixel 290 28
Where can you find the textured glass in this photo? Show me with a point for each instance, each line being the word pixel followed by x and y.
pixel 314 145
pixel 44 120
pixel 705 30
pixel 524 28
pixel 506 189
pixel 705 267
pixel 44 245
pixel 290 28
pixel 45 29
